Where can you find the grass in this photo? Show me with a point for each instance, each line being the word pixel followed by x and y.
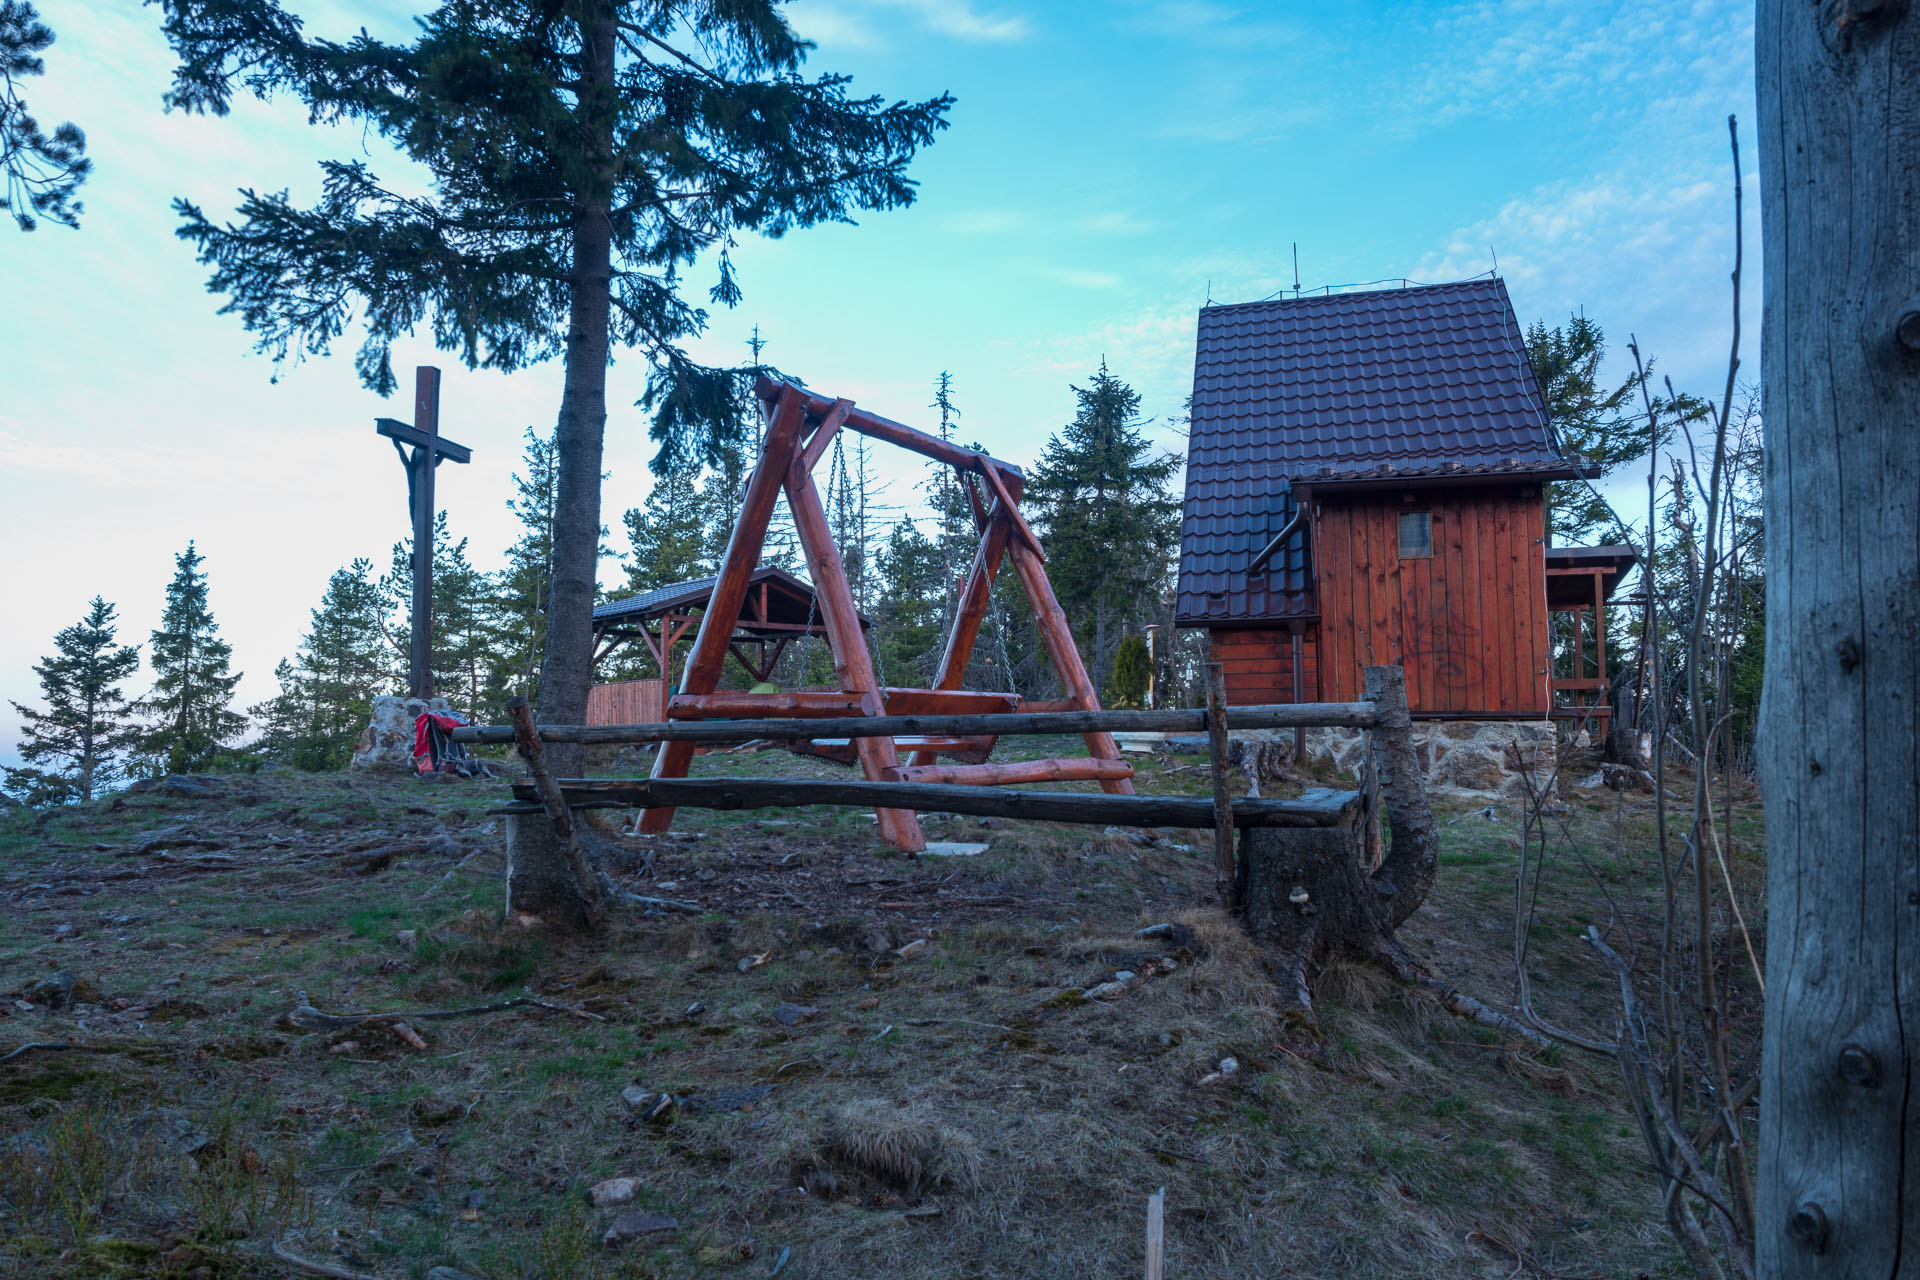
pixel 964 1113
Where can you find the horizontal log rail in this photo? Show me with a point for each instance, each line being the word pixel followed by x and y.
pixel 1350 715
pixel 1014 773
pixel 1322 809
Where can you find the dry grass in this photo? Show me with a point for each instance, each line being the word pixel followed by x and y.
pixel 965 1113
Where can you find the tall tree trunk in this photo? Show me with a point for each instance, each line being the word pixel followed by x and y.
pixel 1839 742
pixel 539 884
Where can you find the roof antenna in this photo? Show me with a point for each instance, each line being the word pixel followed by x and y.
pixel 1296 268
pixel 1209 301
pixel 1496 261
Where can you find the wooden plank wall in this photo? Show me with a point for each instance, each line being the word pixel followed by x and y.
pixel 1259 665
pixel 1468 623
pixel 627 702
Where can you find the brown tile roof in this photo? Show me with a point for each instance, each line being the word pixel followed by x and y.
pixel 1429 383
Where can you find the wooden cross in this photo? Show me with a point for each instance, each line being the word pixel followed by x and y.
pixel 421 450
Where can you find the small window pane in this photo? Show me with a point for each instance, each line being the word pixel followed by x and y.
pixel 1416 534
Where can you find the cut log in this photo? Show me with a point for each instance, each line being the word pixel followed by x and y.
pixel 1352 715
pixel 1329 808
pixel 733 704
pixel 949 702
pixel 994 775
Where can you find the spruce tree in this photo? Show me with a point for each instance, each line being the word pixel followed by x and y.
pixel 522 589
pixel 669 545
pixel 42 171
pixel 952 513
pixel 327 691
pixel 912 594
pixel 1132 674
pixel 1108 516
pixel 84 732
pixel 189 710
pixel 580 155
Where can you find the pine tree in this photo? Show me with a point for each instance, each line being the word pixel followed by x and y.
pixel 466 668
pixel 912 595
pixel 1602 426
pixel 577 159
pixel 1108 517
pixel 189 709
pixel 84 731
pixel 952 512
pixel 42 171
pixel 523 589
pixel 669 545
pixel 327 690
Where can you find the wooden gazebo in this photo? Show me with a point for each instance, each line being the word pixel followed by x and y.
pixel 778 609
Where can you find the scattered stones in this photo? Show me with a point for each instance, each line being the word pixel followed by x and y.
pixel 172 1132
pixel 917 947
pixel 726 1100
pixel 792 1015
pixel 179 786
pixel 629 1227
pixel 1228 1067
pixel 613 1191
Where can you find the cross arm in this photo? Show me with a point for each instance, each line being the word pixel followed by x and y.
pixel 437 446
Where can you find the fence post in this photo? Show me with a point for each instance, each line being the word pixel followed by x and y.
pixel 1222 795
pixel 1156 1233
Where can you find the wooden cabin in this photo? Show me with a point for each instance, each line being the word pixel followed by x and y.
pixel 1365 479
pixel 779 609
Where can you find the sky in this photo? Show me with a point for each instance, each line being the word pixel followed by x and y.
pixel 1110 167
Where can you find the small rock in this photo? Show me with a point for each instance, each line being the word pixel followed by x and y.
pixel 613 1191
pixel 54 991
pixel 877 940
pixel 1229 1065
pixel 629 1227
pixel 694 1010
pixel 433 1110
pixel 408 938
pixel 636 1098
pixel 62 932
pixel 792 1015
pixel 955 849
pixel 172 1132
pixel 914 948
pixel 346 1046
pixel 1107 990
pixel 753 961
pixel 476 1199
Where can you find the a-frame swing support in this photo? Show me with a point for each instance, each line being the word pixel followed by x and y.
pixel 800 425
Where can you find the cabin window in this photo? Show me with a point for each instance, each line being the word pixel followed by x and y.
pixel 1416 534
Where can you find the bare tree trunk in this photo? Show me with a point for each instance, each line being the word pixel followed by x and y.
pixel 541 883
pixel 1839 95
pixel 1310 895
pixel 567 669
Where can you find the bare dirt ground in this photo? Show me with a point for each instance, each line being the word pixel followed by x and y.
pixel 850 1063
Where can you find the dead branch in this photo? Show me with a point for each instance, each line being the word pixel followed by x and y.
pixel 311 1267
pixel 1456 1001
pixel 307 1018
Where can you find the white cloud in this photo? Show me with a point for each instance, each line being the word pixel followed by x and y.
pixel 866 24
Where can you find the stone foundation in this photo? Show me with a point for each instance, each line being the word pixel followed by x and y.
pixel 1477 758
pixel 387 744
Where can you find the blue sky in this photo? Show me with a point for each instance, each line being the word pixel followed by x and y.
pixel 1109 167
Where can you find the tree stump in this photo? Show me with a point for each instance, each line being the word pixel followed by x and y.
pixel 1309 894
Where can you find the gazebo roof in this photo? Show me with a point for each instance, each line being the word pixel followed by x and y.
pixel 789 604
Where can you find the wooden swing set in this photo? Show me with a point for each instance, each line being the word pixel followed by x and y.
pixel 800 425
